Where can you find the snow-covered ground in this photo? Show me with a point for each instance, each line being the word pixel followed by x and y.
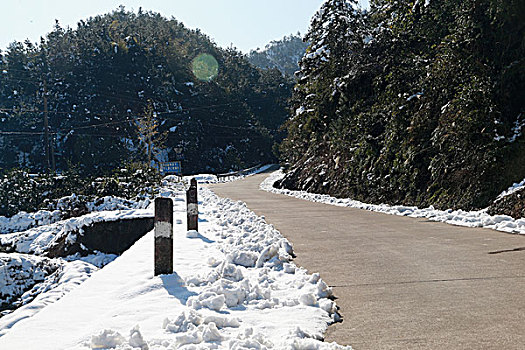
pixel 39 239
pixel 211 178
pixel 234 286
pixel 478 218
pixel 24 221
pixel 30 283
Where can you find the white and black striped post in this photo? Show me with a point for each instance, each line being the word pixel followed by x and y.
pixel 193 208
pixel 163 236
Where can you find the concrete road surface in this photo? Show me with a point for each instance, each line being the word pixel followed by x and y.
pixel 403 283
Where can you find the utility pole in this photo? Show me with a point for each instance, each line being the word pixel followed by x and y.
pixel 150 145
pixel 53 163
pixel 46 127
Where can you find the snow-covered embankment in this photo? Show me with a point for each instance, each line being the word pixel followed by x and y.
pixel 234 287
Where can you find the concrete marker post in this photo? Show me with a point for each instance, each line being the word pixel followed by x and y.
pixel 192 206
pixel 163 236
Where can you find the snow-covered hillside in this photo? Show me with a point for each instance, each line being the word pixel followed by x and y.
pixel 234 287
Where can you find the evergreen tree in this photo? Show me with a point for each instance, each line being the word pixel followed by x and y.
pixel 335 36
pixel 421 106
pixel 100 76
pixel 152 141
pixel 283 55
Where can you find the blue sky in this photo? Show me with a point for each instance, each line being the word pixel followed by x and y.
pixel 245 24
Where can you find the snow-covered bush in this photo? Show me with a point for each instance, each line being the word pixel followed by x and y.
pixel 19 273
pixel 72 193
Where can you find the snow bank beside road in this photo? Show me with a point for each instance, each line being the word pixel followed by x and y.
pixel 211 178
pixel 234 287
pixel 514 188
pixel 24 221
pixel 478 218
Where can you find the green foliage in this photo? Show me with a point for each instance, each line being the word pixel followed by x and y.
pixel 283 55
pixel 22 191
pixel 100 78
pixel 412 102
pixel 151 140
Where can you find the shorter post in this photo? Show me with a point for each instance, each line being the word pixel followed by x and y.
pixel 193 208
pixel 163 236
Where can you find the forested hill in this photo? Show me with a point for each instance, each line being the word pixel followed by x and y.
pixel 114 76
pixel 283 54
pixel 413 102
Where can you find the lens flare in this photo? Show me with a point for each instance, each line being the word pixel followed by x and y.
pixel 205 67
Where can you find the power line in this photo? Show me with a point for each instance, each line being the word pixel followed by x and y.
pixel 93 126
pixel 21 133
pixel 14 110
pixel 158 113
pixel 73 129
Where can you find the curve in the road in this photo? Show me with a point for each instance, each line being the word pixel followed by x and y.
pixel 403 283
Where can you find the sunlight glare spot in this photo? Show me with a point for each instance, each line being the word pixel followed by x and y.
pixel 205 67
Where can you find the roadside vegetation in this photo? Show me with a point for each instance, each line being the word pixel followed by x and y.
pixel 412 102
